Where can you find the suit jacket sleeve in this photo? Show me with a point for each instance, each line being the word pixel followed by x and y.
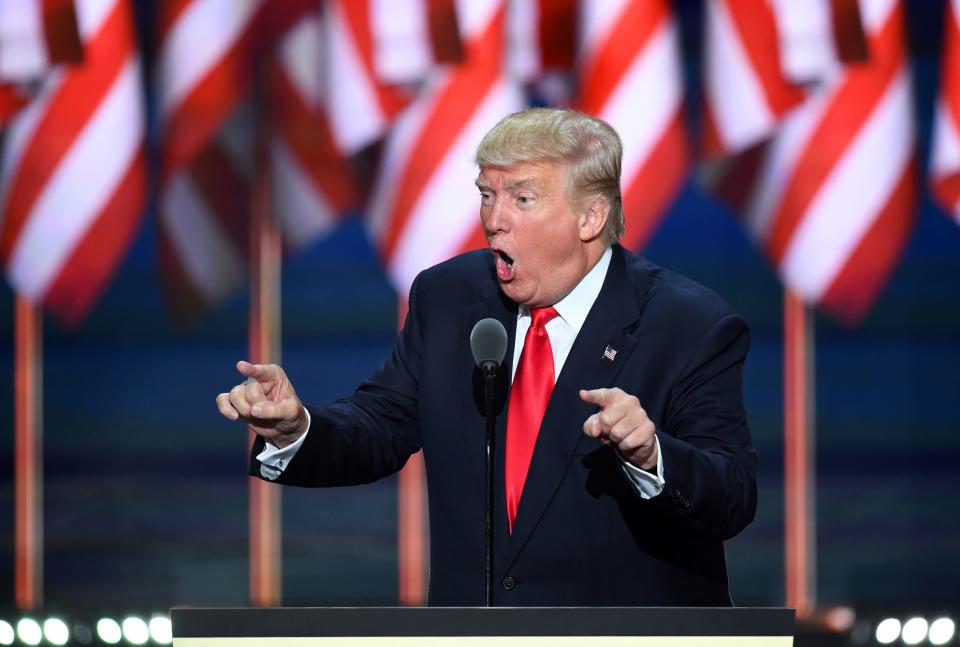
pixel 370 434
pixel 709 462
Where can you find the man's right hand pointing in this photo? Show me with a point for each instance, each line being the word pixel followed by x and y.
pixel 267 402
pixel 621 421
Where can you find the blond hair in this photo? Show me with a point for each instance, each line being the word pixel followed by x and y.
pixel 589 147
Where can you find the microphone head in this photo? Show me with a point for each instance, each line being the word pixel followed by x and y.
pixel 488 342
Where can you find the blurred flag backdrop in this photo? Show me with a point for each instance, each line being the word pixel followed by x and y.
pixel 374 107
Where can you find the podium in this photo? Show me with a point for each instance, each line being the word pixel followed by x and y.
pixel 473 627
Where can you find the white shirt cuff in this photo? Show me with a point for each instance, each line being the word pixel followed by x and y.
pixel 273 460
pixel 648 485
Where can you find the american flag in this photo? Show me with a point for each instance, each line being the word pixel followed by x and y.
pixel 74 170
pixel 211 106
pixel 747 92
pixel 830 197
pixel 631 77
pixel 360 105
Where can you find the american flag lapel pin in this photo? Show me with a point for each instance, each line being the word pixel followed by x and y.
pixel 609 354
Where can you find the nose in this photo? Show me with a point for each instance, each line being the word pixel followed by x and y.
pixel 496 218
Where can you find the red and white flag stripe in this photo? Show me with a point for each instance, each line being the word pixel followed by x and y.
pixel 23 44
pixel 410 37
pixel 12 99
pixel 403 52
pixel 830 199
pixel 421 213
pixel 945 155
pixel 361 108
pixel 210 163
pixel 542 44
pixel 632 78
pixel 201 44
pixel 203 74
pixel 203 235
pixel 72 191
pixel 809 38
pixel 208 51
pixel 746 90
pixel 34 36
pixel 542 37
pixel 312 184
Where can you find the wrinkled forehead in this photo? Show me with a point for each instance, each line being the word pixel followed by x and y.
pixel 536 174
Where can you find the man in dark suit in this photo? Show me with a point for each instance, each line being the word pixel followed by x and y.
pixel 623 456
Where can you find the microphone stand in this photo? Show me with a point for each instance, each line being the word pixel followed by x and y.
pixel 488 343
pixel 489 379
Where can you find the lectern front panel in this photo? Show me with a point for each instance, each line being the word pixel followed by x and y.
pixel 473 627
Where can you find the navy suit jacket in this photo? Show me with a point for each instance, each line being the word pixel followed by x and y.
pixel 582 536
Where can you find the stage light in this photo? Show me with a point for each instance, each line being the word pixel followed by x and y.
pixel 6 633
pixel 888 631
pixel 29 632
pixel 55 631
pixel 861 633
pixel 108 631
pixel 838 619
pixel 82 634
pixel 941 631
pixel 914 631
pixel 135 630
pixel 160 630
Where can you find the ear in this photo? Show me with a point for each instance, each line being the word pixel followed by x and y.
pixel 593 218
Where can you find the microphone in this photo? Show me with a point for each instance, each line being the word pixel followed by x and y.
pixel 488 343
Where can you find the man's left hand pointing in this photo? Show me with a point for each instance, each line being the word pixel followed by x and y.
pixel 622 423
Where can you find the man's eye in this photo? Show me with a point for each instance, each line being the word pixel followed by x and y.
pixel 525 199
pixel 486 198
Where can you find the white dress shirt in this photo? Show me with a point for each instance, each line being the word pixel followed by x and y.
pixel 562 331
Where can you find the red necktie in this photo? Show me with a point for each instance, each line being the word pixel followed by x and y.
pixel 531 390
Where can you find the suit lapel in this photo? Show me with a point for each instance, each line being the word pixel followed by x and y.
pixel 613 323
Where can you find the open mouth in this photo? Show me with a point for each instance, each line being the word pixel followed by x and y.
pixel 504 264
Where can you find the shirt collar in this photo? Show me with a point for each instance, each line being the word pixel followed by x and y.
pixel 575 307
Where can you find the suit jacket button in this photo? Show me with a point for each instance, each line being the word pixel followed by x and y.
pixel 508 583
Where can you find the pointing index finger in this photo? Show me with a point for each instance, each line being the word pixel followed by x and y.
pixel 599 397
pixel 259 372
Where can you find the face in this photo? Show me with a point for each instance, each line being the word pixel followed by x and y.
pixel 539 242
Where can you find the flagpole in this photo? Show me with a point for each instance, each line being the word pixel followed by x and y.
pixel 799 455
pixel 264 346
pixel 411 521
pixel 28 459
pixel 411 532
